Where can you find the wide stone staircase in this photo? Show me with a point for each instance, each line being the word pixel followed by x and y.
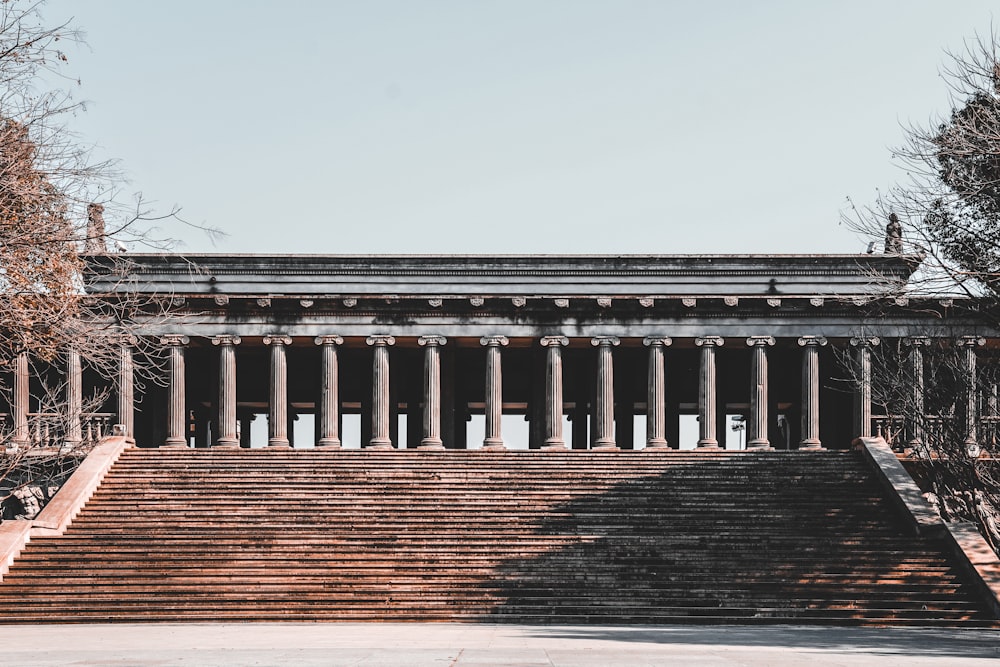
pixel 532 537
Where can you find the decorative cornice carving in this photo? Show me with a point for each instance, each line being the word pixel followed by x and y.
pixel 773 302
pixel 306 303
pixel 646 301
pixel 477 301
pixel 518 301
pixel 221 299
pixel 760 340
pixel 657 340
pixel 432 340
pixel 597 341
pixel 902 301
pixel 946 303
pixel 328 339
pixel 435 302
pixel 177 301
pixel 264 302
pixel 277 339
pixel 380 340
pixel 494 341
pixel 558 341
pixel 731 300
pixel 709 341
pixel 816 301
pixel 350 302
pixel 562 303
pixel 174 340
pixel 604 301
pixel 970 341
pixel 226 339
pixel 689 302
pixel 812 341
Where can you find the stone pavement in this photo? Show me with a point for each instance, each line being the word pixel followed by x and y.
pixel 450 644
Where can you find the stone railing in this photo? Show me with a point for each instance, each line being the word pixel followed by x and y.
pixel 48 429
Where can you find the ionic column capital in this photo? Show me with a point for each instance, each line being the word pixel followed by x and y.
pixel 865 341
pixel 609 341
pixel 431 341
pixel 650 341
pixel 277 339
pixel 124 339
pixel 557 341
pixel 494 341
pixel 709 341
pixel 753 341
pixel 226 339
pixel 917 341
pixel 812 341
pixel 970 341
pixel 174 340
pixel 380 340
pixel 328 339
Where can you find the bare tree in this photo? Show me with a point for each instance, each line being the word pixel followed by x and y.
pixel 57 206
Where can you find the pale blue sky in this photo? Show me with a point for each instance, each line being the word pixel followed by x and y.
pixel 512 126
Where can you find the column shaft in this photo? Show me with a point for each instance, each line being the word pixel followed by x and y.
pixel 494 392
pixel 380 392
pixel 863 390
pixel 758 418
pixel 176 402
pixel 969 345
pixel 656 393
pixel 74 398
pixel 277 405
pixel 810 391
pixel 21 399
pixel 329 393
pixel 915 420
pixel 126 388
pixel 554 392
pixel 432 392
pixel 226 437
pixel 604 405
pixel 707 392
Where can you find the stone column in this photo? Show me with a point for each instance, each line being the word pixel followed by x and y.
pixel 380 391
pixel 810 391
pixel 277 404
pixel 757 422
pixel 126 385
pixel 74 398
pixel 604 405
pixel 226 437
pixel 329 393
pixel 494 392
pixel 432 391
pixel 863 392
pixel 968 344
pixel 21 399
pixel 707 392
pixel 553 392
pixel 656 393
pixel 176 402
pixel 916 409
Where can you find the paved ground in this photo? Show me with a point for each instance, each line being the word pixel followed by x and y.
pixel 405 645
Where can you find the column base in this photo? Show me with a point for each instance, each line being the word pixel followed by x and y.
pixel 493 447
pixel 657 443
pixel 811 446
pixel 430 445
pixel 709 445
pixel 605 448
pixel 379 445
pixel 226 444
pixel 174 444
pixel 276 442
pixel 554 446
pixel 760 448
pixel 328 443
